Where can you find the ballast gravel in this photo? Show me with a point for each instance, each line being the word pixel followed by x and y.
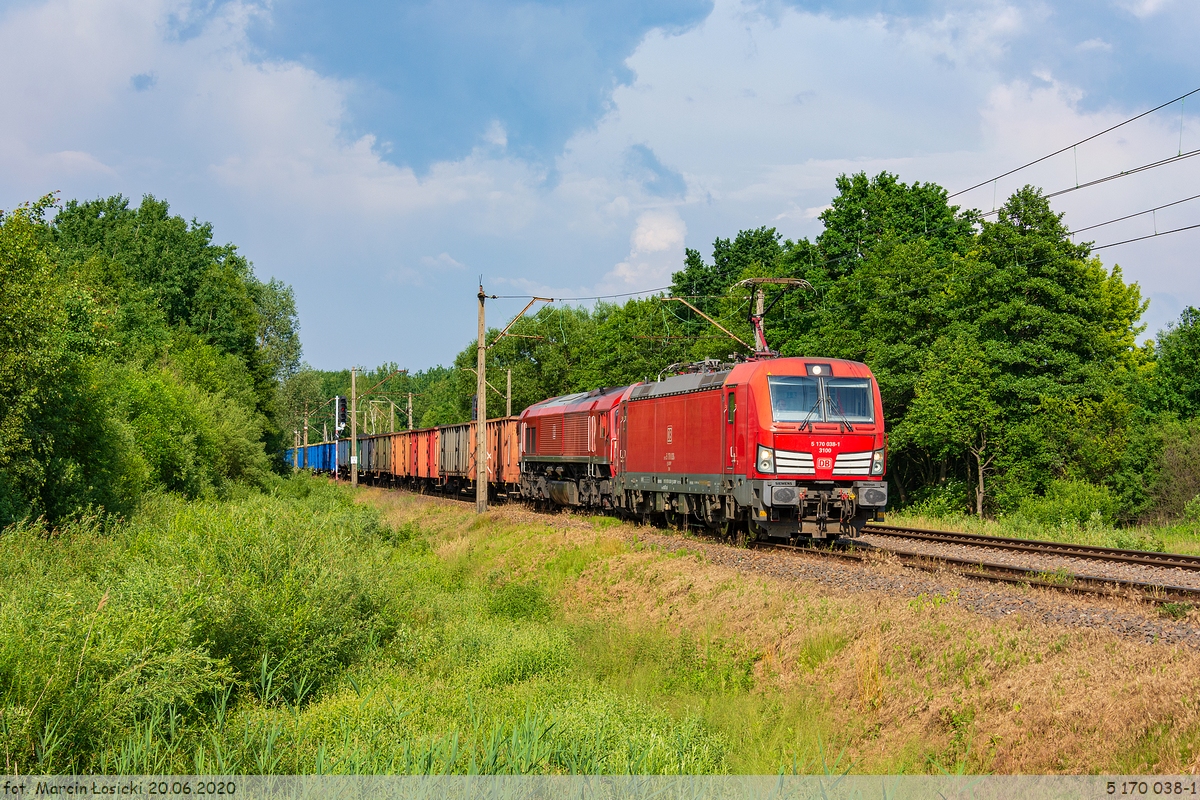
pixel 1125 618
pixel 1045 562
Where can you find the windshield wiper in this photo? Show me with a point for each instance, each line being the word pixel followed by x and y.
pixel 807 419
pixel 844 419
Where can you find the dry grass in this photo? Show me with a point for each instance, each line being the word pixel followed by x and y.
pixel 903 684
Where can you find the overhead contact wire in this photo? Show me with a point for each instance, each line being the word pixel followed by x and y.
pixel 1115 176
pixel 1076 144
pixel 1137 214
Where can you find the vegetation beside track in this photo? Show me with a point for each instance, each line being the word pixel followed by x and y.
pixel 301 631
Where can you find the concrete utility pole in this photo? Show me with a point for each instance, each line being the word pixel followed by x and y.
pixel 306 426
pixel 508 397
pixel 410 411
pixel 481 414
pixel 392 418
pixel 295 451
pixel 353 427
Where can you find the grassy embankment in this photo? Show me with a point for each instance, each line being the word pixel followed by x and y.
pixel 305 632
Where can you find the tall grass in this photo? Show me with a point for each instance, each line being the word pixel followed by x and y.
pixel 295 633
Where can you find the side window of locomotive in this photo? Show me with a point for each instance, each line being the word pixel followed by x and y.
pixel 530 439
pixel 850 399
pixel 732 407
pixel 795 398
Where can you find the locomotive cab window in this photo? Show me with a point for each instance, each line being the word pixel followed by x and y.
pixel 849 400
pixel 530 439
pixel 796 398
pixel 732 407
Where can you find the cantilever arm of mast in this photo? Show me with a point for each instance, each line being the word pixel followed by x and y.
pixel 513 321
pixel 485 380
pixel 710 319
pixel 391 375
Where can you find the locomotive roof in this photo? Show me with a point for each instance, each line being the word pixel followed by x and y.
pixel 679 384
pixel 578 397
pixel 700 381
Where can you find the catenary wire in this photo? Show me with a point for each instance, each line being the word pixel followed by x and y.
pixel 1131 216
pixel 1070 146
pixel 1147 236
pixel 1113 177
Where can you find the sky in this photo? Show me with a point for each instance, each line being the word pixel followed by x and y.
pixel 382 157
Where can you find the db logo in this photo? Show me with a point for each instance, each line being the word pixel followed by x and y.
pixel 824 463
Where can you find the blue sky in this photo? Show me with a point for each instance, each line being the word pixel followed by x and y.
pixel 385 155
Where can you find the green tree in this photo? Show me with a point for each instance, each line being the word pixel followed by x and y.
pixel 1178 357
pixel 160 274
pixel 729 260
pixel 869 212
pixel 954 412
pixel 278 328
pixel 61 451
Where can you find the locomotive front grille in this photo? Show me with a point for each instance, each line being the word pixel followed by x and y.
pixel 853 464
pixel 796 463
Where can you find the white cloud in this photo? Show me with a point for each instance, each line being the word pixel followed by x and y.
pixel 1095 45
pixel 656 250
pixel 1144 8
pixel 496 134
pixel 441 261
pixel 260 148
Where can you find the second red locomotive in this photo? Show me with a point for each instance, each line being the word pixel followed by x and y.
pixel 775 448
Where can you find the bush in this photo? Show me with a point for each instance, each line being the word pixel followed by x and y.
pixel 1178 482
pixel 192 441
pixel 1071 502
pixel 106 628
pixel 949 499
pixel 1191 511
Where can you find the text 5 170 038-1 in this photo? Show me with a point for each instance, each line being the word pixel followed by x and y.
pixel 1151 788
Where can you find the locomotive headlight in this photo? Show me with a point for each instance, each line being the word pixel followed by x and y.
pixel 766 459
pixel 877 463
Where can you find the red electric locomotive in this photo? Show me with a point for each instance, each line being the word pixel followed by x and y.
pixel 779 448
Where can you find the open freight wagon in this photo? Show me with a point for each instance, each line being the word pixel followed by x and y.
pixel 440 459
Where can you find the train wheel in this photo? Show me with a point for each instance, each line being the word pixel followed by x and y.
pixel 676 520
pixel 723 529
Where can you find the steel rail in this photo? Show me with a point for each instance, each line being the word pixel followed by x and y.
pixel 1143 557
pixel 1006 573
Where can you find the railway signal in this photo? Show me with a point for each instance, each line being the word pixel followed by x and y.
pixel 339 403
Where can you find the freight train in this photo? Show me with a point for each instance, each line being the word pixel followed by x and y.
pixel 780 448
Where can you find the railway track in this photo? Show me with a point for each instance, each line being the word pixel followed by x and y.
pixel 1168 560
pixel 1158 592
pixel 1154 589
pixel 982 569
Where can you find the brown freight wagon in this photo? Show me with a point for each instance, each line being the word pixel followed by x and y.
pixel 457 454
pixel 402 463
pixel 426 447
